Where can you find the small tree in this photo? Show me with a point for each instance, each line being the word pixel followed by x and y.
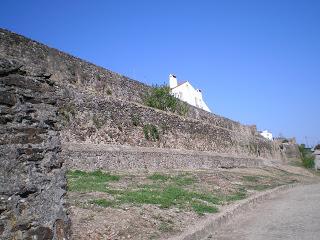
pixel 161 98
pixel 306 156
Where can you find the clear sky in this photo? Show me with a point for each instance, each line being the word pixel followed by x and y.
pixel 257 62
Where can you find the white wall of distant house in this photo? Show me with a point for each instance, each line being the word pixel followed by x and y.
pixel 266 134
pixel 187 93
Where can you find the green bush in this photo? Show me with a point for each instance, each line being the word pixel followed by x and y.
pixel 160 97
pixel 151 132
pixel 306 156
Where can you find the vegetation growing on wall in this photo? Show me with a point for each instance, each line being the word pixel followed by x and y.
pixel 306 156
pixel 67 112
pixel 160 97
pixel 135 120
pixel 151 132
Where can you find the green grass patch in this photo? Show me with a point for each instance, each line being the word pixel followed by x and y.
pixel 168 197
pixel 202 208
pixel 96 181
pixel 181 180
pixel 262 187
pixel 251 178
pixel 208 198
pixel 159 177
pixel 236 196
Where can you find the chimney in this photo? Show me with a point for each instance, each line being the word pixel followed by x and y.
pixel 173 82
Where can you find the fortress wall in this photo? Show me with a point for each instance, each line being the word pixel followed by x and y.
pixel 32 178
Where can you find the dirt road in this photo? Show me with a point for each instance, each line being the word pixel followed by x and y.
pixel 294 215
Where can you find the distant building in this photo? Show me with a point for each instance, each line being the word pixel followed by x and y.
pixel 187 93
pixel 266 134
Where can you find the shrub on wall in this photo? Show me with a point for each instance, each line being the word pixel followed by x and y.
pixel 151 132
pixel 160 97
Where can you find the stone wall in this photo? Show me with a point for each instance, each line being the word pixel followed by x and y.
pixel 32 180
pixel 93 119
pixel 126 158
pixel 291 151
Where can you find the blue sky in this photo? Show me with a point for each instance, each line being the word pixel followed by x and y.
pixel 257 62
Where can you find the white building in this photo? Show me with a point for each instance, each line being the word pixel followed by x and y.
pixel 185 92
pixel 317 159
pixel 266 134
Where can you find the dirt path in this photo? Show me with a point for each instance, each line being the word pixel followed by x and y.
pixel 294 214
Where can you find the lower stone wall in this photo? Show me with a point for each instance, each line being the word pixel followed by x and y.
pixel 32 178
pixel 89 157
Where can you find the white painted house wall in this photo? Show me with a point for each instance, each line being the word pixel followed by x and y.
pixel 187 93
pixel 317 159
pixel 266 134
